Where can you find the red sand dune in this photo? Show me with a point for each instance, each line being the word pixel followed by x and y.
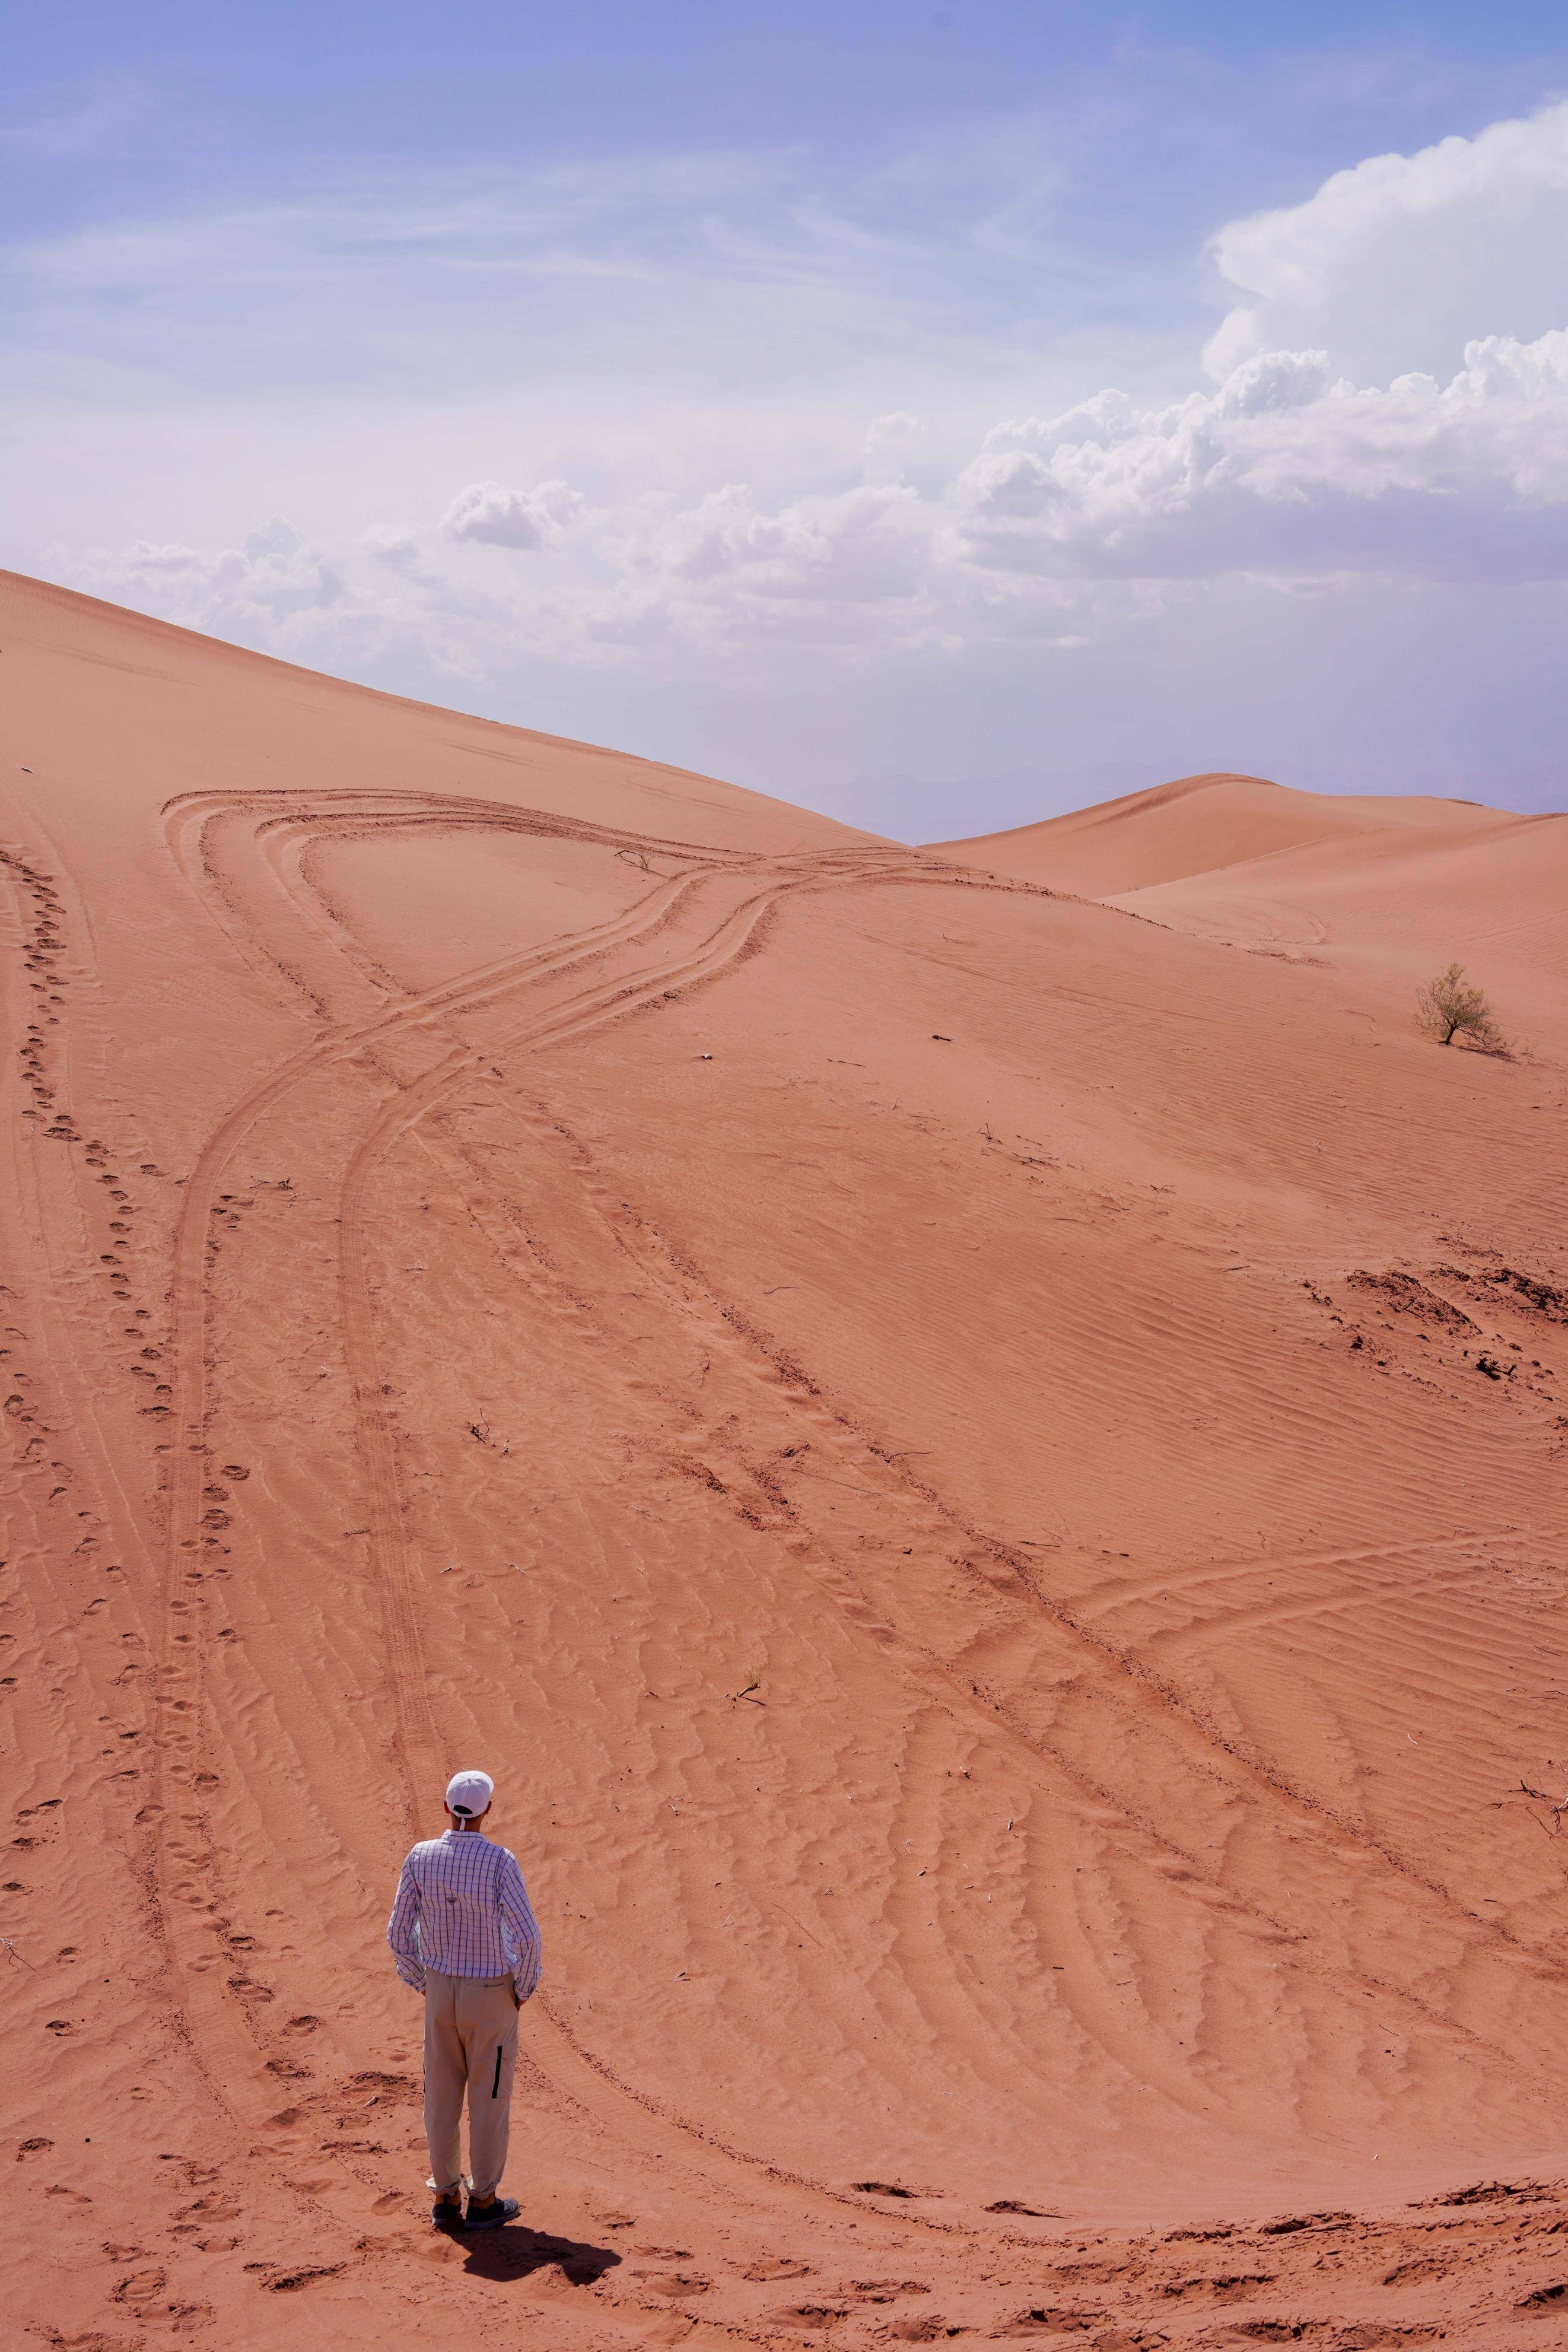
pixel 1201 823
pixel 987 1474
pixel 1383 889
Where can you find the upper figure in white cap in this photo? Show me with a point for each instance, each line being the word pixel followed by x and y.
pixel 463 1933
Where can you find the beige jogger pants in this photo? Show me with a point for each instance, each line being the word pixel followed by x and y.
pixel 470 2044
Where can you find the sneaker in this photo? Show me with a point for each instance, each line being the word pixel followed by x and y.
pixel 446 2212
pixel 491 2215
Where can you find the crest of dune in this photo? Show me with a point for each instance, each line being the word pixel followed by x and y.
pixel 975 1436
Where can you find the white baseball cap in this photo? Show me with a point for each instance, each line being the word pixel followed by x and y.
pixel 468 1793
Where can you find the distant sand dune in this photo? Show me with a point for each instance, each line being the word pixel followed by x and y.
pixel 1388 886
pixel 987 1474
pixel 1202 823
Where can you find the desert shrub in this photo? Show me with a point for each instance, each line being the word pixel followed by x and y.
pixel 1450 1007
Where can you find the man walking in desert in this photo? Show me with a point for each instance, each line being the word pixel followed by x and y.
pixel 463 1934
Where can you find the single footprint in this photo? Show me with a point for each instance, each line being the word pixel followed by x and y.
pixel 675 2283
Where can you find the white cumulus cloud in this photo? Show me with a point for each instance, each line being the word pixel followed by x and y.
pixel 856 546
pixel 257 588
pixel 491 515
pixel 1291 470
pixel 1401 261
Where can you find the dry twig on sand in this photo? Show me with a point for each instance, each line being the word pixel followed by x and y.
pixel 1543 1796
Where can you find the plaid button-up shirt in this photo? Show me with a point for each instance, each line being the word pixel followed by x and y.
pixel 462 1909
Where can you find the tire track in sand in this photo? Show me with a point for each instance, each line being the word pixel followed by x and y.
pixel 418 1741
pixel 416 1737
pixel 237 2050
pixel 219 2038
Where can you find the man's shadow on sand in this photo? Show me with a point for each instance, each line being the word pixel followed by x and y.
pixel 515 2252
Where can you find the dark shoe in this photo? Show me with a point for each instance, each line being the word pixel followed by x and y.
pixel 448 2212
pixel 491 2216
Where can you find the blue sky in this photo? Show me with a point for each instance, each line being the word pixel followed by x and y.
pixel 941 414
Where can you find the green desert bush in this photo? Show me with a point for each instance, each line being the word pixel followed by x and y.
pixel 1450 1007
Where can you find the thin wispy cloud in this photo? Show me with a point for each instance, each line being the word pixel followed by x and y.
pixel 66 124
